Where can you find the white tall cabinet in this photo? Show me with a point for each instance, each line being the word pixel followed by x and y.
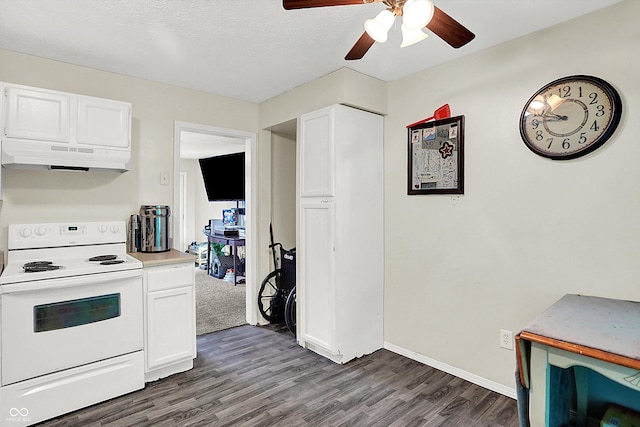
pixel 340 232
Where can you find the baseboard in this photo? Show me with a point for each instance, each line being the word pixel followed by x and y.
pixel 482 382
pixel 166 371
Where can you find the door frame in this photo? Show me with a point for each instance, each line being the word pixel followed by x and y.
pixel 251 174
pixel 182 224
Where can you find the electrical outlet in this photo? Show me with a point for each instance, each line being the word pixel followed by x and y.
pixel 506 339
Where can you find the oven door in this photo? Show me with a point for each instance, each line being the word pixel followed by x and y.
pixel 55 324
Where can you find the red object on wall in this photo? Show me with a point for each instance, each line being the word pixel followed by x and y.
pixel 443 112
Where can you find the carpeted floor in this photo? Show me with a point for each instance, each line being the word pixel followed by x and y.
pixel 219 304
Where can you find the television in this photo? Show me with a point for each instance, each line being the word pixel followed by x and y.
pixel 223 177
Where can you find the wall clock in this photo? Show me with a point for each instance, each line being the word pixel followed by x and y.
pixel 570 117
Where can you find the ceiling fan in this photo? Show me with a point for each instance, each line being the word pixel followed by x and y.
pixel 416 15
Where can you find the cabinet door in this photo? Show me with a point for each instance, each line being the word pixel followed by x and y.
pixel 36 114
pixel 170 326
pixel 316 159
pixel 316 282
pixel 103 122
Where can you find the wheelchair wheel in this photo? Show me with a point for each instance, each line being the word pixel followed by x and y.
pixel 290 311
pixel 271 301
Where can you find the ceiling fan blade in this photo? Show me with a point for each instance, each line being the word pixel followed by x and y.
pixel 301 4
pixel 449 30
pixel 360 48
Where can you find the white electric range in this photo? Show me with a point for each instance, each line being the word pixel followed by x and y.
pixel 71 303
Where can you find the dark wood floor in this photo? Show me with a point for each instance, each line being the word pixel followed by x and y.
pixel 259 376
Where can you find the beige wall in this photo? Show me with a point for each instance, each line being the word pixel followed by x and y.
pixel 343 86
pixel 283 192
pixel 32 196
pixel 528 230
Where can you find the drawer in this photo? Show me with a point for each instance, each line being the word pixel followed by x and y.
pixel 169 276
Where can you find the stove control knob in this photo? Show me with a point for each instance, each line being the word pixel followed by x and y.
pixel 114 229
pixel 41 231
pixel 25 232
pixel 102 228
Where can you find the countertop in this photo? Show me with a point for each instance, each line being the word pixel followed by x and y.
pixel 163 258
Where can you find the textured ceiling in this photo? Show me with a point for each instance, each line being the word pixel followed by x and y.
pixel 252 50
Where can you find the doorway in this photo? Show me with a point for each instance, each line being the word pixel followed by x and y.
pixel 193 140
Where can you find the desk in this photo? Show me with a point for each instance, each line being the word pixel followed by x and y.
pixel 233 242
pixel 594 334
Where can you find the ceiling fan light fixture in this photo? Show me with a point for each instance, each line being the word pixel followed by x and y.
pixel 411 36
pixel 416 14
pixel 378 27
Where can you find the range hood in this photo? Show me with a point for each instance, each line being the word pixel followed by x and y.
pixel 48 129
pixel 62 156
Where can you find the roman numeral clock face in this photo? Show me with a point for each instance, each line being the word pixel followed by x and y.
pixel 570 117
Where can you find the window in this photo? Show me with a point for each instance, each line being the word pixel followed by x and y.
pixel 67 314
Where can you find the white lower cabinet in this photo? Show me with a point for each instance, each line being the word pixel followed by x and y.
pixel 316 265
pixel 170 325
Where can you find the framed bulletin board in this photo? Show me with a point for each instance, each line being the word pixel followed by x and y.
pixel 436 157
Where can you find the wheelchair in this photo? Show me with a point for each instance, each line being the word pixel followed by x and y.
pixel 277 295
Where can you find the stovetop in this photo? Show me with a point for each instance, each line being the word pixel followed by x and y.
pixel 58 250
pixel 70 262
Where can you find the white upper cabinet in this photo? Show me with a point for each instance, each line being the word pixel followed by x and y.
pixel 103 122
pixel 317 154
pixel 50 116
pixel 37 114
pixel 47 129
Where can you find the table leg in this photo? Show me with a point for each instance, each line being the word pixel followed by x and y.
pixel 582 398
pixel 235 268
pixel 538 386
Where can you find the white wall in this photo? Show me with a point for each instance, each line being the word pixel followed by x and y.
pixel 527 230
pixel 33 196
pixel 188 167
pixel 199 209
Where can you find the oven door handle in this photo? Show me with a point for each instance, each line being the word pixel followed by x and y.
pixel 69 282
